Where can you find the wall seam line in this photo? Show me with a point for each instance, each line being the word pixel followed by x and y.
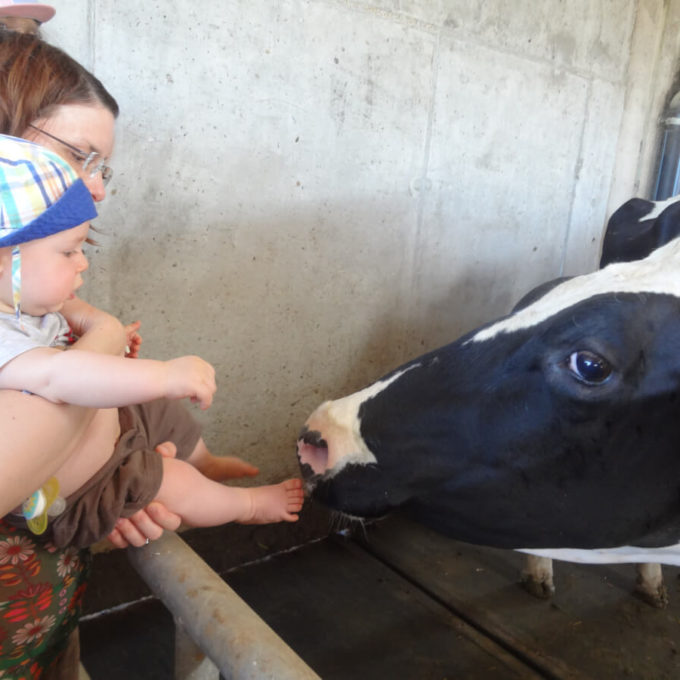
pixel 415 276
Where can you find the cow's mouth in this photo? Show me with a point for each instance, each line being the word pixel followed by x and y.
pixel 312 452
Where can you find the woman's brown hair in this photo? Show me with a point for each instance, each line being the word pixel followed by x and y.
pixel 36 77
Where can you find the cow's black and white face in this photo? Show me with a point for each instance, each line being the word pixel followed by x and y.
pixel 557 426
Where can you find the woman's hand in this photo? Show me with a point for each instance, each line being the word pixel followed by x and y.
pixel 147 524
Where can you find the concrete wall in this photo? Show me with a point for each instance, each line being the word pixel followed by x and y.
pixel 309 192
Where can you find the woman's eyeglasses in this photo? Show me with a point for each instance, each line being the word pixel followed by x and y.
pixel 92 162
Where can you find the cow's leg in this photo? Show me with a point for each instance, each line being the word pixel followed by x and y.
pixel 537 576
pixel 650 585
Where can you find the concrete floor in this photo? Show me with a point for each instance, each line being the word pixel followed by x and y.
pixel 401 602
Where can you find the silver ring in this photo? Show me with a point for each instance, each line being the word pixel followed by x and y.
pixel 147 541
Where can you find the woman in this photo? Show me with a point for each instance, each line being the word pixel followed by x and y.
pixel 49 98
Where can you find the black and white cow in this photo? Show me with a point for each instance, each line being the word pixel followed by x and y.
pixel 553 430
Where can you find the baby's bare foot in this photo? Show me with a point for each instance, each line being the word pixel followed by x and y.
pixel 276 503
pixel 219 468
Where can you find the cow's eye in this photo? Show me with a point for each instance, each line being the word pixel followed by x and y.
pixel 589 368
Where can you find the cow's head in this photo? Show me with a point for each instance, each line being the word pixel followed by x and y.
pixel 556 426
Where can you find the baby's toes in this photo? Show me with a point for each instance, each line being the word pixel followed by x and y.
pixel 295 503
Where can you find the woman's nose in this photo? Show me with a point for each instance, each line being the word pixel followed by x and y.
pixel 96 186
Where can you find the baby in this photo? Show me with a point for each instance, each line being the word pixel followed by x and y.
pixel 44 222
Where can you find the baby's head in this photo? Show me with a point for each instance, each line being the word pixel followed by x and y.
pixel 44 219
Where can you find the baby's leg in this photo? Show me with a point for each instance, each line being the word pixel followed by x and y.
pixel 203 502
pixel 219 467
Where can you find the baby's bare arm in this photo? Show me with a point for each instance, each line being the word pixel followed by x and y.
pixel 102 381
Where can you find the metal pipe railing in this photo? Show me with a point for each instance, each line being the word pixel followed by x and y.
pixel 218 622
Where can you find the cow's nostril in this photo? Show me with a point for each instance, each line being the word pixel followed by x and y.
pixel 312 437
pixel 313 454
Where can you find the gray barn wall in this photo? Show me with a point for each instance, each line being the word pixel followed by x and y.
pixel 309 192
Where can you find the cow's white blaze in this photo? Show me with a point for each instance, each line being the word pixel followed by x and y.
pixel 623 555
pixel 658 273
pixel 340 426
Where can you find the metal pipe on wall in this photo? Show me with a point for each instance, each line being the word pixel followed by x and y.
pixel 668 177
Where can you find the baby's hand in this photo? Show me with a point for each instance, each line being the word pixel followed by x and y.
pixel 133 340
pixel 190 377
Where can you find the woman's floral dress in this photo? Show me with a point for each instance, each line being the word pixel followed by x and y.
pixel 41 593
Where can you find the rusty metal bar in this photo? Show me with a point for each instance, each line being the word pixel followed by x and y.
pixel 190 661
pixel 222 626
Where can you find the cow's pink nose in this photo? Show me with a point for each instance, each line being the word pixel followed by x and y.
pixel 316 456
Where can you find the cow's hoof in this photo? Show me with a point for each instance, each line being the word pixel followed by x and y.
pixel 649 585
pixel 537 576
pixel 537 587
pixel 656 597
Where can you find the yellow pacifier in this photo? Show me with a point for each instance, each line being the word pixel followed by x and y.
pixel 45 501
